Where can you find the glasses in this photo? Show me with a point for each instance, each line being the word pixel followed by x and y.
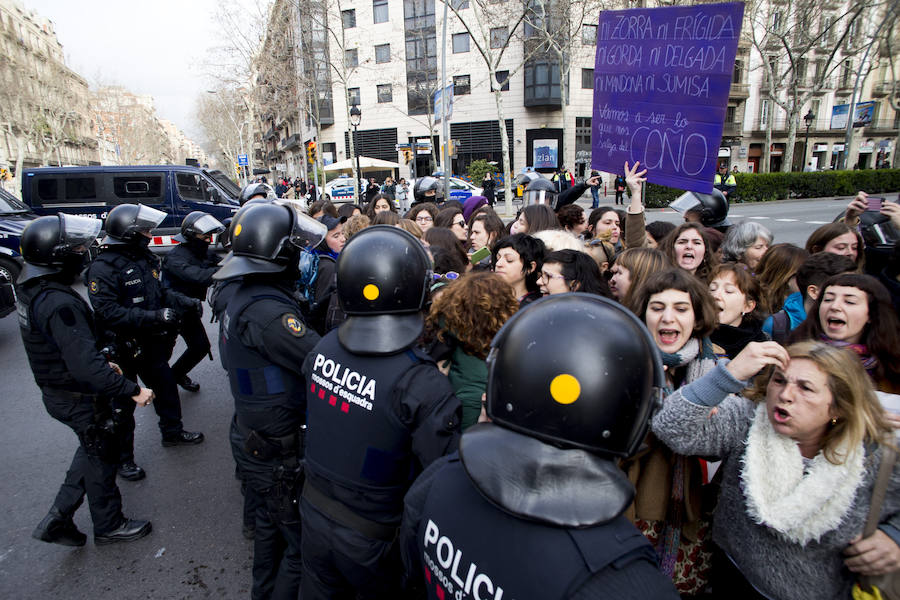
pixel 460 223
pixel 424 219
pixel 451 275
pixel 545 276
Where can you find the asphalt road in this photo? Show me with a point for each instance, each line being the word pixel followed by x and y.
pixel 196 549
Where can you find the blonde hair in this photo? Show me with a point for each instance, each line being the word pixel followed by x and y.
pixel 412 227
pixel 860 417
pixel 559 239
pixel 355 224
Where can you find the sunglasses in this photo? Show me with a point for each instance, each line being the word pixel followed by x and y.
pixel 451 275
pixel 460 223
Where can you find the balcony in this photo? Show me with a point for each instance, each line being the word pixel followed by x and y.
pixel 882 89
pixel 732 129
pixel 290 142
pixel 882 127
pixel 271 134
pixel 739 90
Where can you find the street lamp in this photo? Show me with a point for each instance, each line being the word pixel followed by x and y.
pixel 355 118
pixel 809 118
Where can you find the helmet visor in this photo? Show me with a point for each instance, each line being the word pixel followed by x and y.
pixel 207 224
pixel 148 218
pixel 539 197
pixel 305 231
pixel 78 231
pixel 685 202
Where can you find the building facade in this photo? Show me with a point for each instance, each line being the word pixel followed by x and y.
pixel 384 56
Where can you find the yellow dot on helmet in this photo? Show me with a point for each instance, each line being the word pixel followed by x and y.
pixel 237 230
pixel 370 292
pixel 565 389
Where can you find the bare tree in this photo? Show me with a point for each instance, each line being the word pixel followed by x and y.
pixel 218 121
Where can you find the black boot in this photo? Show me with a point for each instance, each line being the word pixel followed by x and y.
pixel 188 384
pixel 131 472
pixel 128 531
pixel 57 528
pixel 182 438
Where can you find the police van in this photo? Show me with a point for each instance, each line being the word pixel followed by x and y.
pixel 14 216
pixel 93 191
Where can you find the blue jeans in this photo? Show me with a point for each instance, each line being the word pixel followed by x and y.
pixel 595 193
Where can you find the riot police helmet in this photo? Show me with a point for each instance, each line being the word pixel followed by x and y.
pixel 540 191
pixel 575 371
pixel 383 275
pixel 225 238
pixel 198 224
pixel 257 190
pixel 429 189
pixel 712 207
pixel 52 244
pixel 127 223
pixel 268 238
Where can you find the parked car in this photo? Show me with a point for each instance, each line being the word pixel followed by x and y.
pixel 93 191
pixel 14 216
pixel 340 189
pixel 460 189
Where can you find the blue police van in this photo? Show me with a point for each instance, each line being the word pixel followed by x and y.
pixel 14 216
pixel 93 191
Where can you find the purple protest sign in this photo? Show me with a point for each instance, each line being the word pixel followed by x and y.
pixel 661 83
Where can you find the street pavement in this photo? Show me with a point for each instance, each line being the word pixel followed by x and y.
pixel 196 549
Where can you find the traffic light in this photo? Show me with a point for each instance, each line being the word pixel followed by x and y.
pixel 311 152
pixel 5 175
pixel 237 170
pixel 407 155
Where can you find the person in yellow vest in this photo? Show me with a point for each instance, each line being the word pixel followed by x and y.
pixel 725 181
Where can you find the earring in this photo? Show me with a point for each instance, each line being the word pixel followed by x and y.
pixel 833 422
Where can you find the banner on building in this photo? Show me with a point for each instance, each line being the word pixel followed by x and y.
pixel 661 83
pixel 439 96
pixel 863 115
pixel 546 154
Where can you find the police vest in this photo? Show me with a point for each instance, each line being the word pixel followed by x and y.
pixel 471 549
pixel 354 440
pixel 193 255
pixel 138 276
pixel 729 180
pixel 43 354
pixel 256 382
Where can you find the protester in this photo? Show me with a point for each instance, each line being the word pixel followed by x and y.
pixel 688 247
pixel 571 271
pixel 518 260
pixel 747 243
pixel 534 218
pixel 777 275
pixel 736 294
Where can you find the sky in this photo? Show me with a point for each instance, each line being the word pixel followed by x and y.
pixel 154 48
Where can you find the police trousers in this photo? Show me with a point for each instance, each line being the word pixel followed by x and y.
pixel 153 368
pixel 89 473
pixel 194 335
pixel 341 563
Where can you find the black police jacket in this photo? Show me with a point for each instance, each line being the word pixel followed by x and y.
pixel 125 291
pixel 189 268
pixel 264 343
pixel 457 544
pixel 374 422
pixel 57 329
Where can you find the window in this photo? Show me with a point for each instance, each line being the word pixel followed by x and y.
pixel 81 188
pixel 383 53
pixel 348 18
pixel 189 187
pixel 764 109
pixel 582 134
pixel 498 36
pixel 47 190
pixel 802 65
pixel 730 114
pixel 846 73
pixel 776 22
pixel 815 105
pixel 380 11
pixel 385 93
pixel 351 58
pixel 738 74
pixel 589 35
pixel 587 79
pixel 461 85
pixel 459 4
pixel 131 187
pixel 503 80
pixel 353 96
pixel 460 43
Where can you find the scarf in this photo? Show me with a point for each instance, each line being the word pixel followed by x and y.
pixel 801 501
pixel 697 354
pixel 869 362
pixel 328 252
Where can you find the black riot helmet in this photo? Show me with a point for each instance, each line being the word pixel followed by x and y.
pixel 429 189
pixel 540 191
pixel 576 371
pixel 713 208
pixel 383 274
pixel 198 224
pixel 225 238
pixel 126 223
pixel 52 244
pixel 257 190
pixel 268 238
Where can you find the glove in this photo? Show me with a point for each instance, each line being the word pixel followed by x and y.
pixel 167 316
pixel 197 306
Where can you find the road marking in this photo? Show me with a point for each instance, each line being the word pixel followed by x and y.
pixel 759 217
pixel 818 222
pixel 786 220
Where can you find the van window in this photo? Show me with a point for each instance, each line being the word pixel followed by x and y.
pixel 191 187
pixel 128 188
pixel 80 188
pixel 47 190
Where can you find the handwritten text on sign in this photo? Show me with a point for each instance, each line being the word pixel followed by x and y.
pixel 661 83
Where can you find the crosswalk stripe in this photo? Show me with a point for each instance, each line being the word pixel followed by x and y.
pixel 759 217
pixel 787 220
pixel 818 222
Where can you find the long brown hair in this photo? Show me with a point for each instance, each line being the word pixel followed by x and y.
pixel 819 238
pixel 776 268
pixel 641 264
pixel 667 245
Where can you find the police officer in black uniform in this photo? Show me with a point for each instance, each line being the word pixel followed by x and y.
pixel 264 341
pixel 77 383
pixel 141 316
pixel 188 269
pixel 379 411
pixel 531 506
pixel 428 189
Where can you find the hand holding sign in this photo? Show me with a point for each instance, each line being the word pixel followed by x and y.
pixel 633 178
